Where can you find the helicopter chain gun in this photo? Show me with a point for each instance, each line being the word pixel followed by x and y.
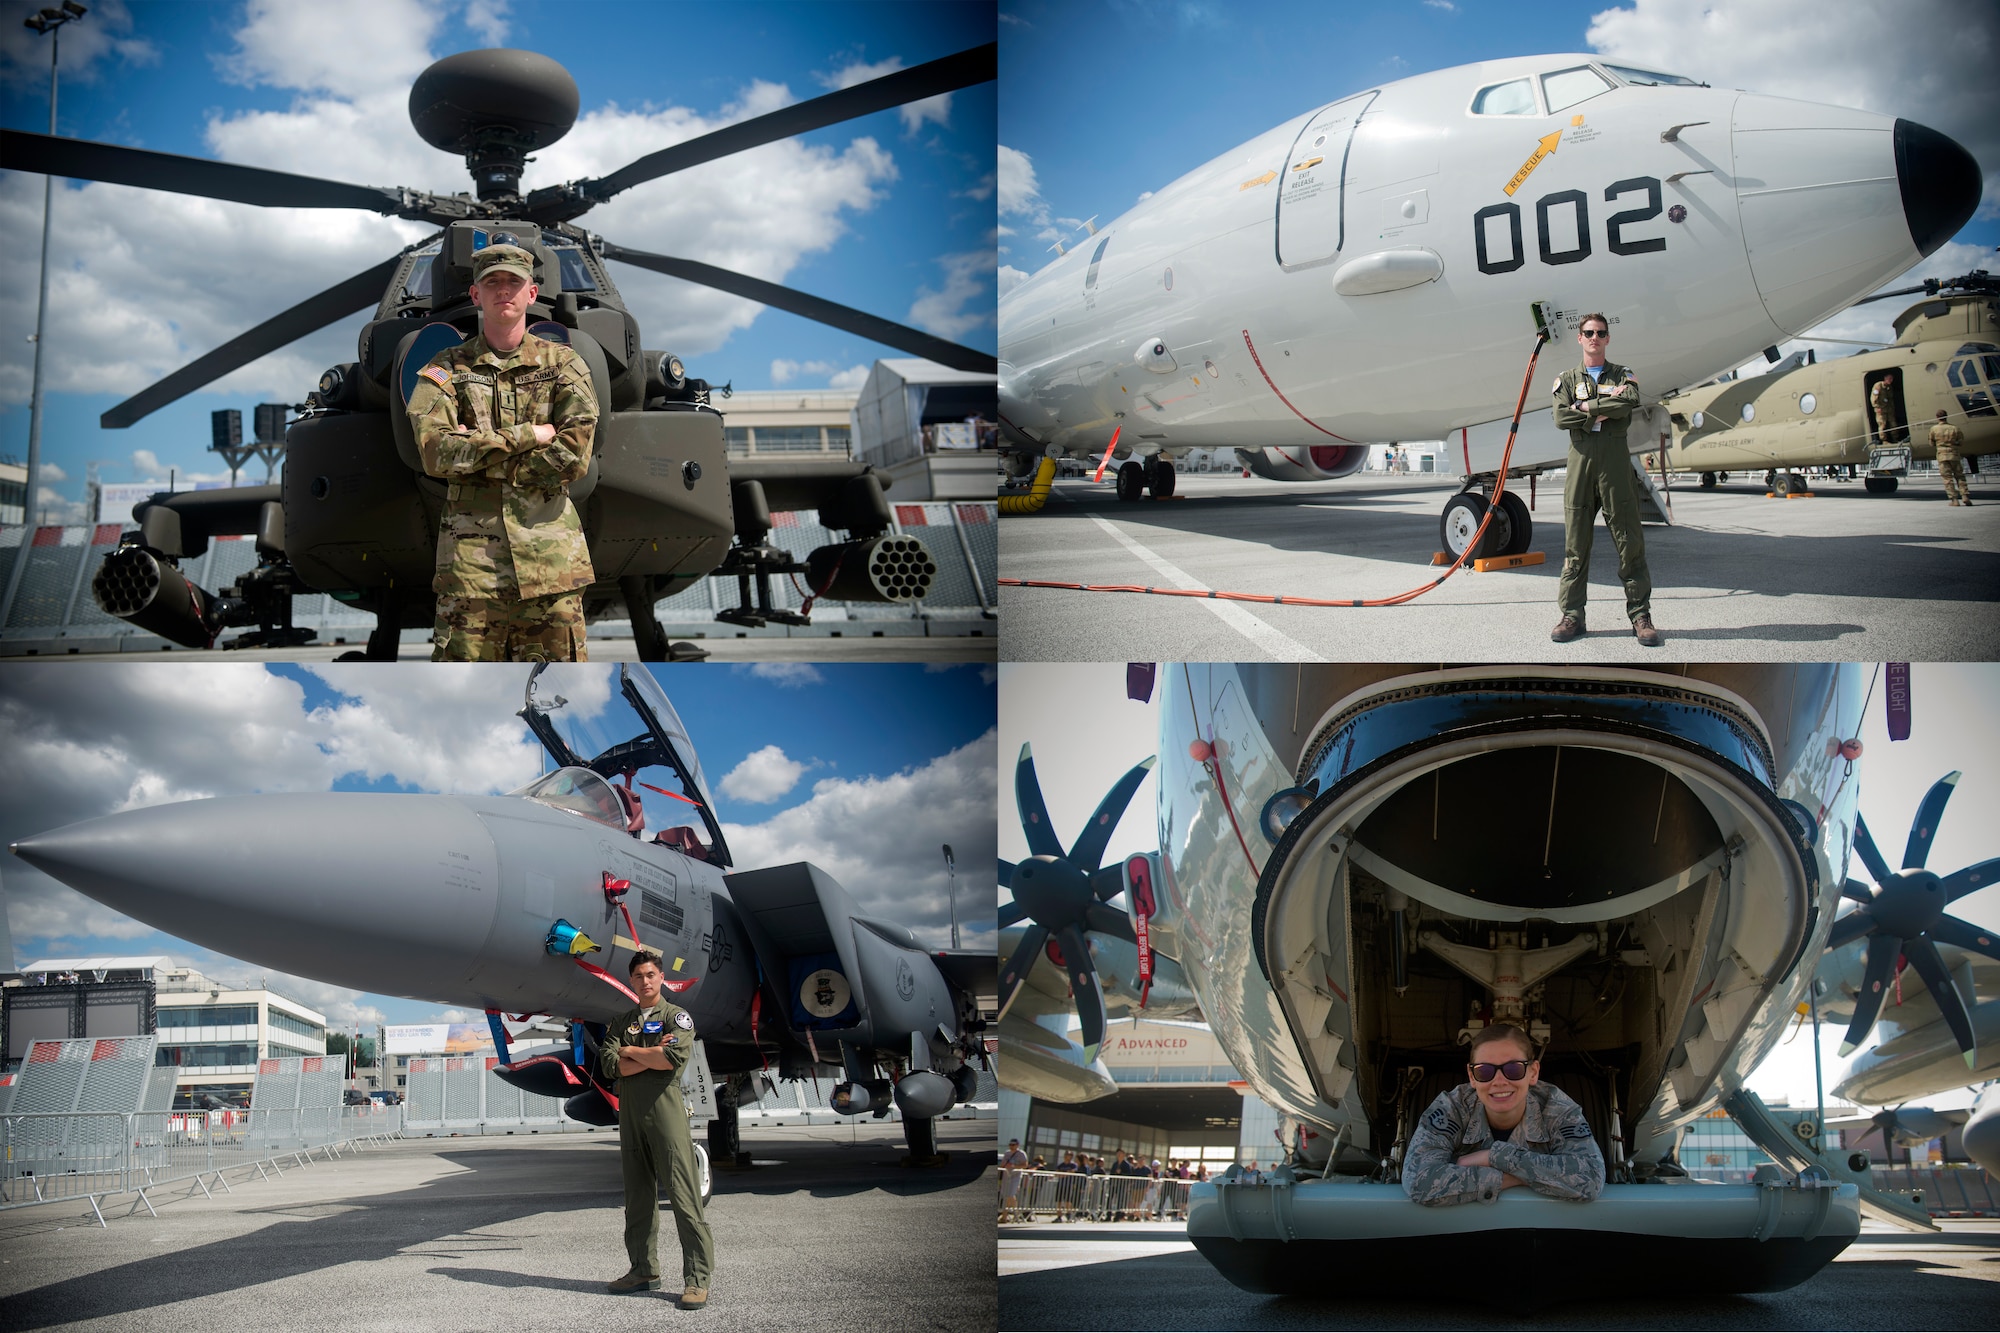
pixel 354 515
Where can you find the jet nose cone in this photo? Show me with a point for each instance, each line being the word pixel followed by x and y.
pixel 1940 182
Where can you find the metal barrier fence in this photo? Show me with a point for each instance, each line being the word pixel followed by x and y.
pixel 1067 1196
pixel 1950 1191
pixel 92 1156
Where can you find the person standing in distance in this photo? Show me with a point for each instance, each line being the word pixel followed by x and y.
pixel 644 1050
pixel 507 419
pixel 1947 439
pixel 1594 403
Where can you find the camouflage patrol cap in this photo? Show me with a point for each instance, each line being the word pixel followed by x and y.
pixel 504 259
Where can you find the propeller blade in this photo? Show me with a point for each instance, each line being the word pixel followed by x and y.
pixel 1083 984
pixel 845 318
pixel 1110 921
pixel 1855 890
pixel 1924 827
pixel 1923 956
pixel 315 312
pixel 1964 935
pixel 1020 963
pixel 1864 846
pixel 1882 953
pixel 1850 928
pixel 1006 873
pixel 1088 850
pixel 1973 877
pixel 977 65
pixel 1042 839
pixel 81 159
pixel 1107 882
pixel 1011 913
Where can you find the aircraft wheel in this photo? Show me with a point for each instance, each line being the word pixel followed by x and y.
pixel 1131 479
pixel 1161 482
pixel 1520 527
pixel 1708 481
pixel 920 1133
pixel 1462 516
pixel 1781 485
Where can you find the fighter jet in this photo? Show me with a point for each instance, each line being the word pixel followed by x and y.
pixel 1360 866
pixel 534 902
pixel 1365 272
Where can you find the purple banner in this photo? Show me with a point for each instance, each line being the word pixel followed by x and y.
pixel 1898 700
pixel 1139 680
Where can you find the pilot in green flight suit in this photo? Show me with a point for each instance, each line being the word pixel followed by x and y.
pixel 644 1050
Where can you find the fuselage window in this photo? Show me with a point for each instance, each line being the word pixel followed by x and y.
pixel 1567 87
pixel 1096 257
pixel 1749 411
pixel 1505 99
pixel 1650 77
pixel 1807 403
pixel 1992 364
pixel 1959 373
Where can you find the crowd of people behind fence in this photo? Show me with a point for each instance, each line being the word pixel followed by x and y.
pixel 1087 1188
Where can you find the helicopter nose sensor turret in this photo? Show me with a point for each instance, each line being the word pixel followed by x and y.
pixel 494 107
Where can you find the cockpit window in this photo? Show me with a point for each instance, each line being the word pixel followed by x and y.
pixel 1097 257
pixel 1567 87
pixel 1651 77
pixel 1505 99
pixel 419 281
pixel 580 792
pixel 575 273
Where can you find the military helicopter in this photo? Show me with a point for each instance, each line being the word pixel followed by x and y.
pixel 534 902
pixel 355 516
pixel 1807 413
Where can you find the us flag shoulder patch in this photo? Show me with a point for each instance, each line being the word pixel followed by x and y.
pixel 438 375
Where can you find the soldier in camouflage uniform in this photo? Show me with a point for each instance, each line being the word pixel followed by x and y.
pixel 507 419
pixel 1882 397
pixel 1947 439
pixel 644 1050
pixel 1595 409
pixel 1490 1135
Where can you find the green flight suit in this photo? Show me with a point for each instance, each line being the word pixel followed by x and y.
pixel 654 1145
pixel 1600 476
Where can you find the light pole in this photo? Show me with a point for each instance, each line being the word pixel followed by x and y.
pixel 951 869
pixel 48 21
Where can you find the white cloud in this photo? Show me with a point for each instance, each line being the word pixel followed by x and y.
pixel 982 191
pixel 956 308
pixel 851 378
pixel 881 838
pixel 790 675
pixel 99 45
pixel 785 371
pixel 1930 61
pixel 1009 277
pixel 763 776
pixel 913 114
pixel 1020 193
pixel 488 18
pixel 50 472
pixel 1446 5
pixel 335 48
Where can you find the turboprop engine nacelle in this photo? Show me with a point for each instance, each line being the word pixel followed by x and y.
pixel 1317 462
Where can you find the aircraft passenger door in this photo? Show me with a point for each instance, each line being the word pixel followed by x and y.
pixel 1311 212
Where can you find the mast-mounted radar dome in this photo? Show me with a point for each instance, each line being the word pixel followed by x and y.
pixel 494 107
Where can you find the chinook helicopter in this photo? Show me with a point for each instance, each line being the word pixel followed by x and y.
pixel 662 505
pixel 1806 413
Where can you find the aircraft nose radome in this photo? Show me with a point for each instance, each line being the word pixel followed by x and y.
pixel 1941 184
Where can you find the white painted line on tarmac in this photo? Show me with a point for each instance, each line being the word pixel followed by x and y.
pixel 1279 645
pixel 1036 1256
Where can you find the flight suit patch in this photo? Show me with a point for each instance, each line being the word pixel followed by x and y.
pixel 632 1031
pixel 681 1020
pixel 438 375
pixel 655 1025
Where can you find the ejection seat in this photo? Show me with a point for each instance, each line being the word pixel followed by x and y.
pixel 684 841
pixel 635 814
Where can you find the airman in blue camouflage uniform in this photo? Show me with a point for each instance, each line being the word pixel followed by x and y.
pixel 1508 1129
pixel 507 419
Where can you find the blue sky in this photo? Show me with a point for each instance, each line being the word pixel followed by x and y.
pixel 1082 746
pixel 865 770
pixel 1128 95
pixel 891 213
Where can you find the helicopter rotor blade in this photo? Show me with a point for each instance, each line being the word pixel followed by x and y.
pixel 359 292
pixel 1882 953
pixel 1871 856
pixel 980 64
pixel 81 159
pixel 1923 956
pixel 1924 827
pixel 845 318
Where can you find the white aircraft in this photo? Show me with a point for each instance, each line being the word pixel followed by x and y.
pixel 1365 272
pixel 1361 865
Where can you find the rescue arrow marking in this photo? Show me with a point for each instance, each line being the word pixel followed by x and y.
pixel 1545 146
pixel 1264 179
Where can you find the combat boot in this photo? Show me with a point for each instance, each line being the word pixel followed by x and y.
pixel 694 1298
pixel 633 1281
pixel 1569 627
pixel 1642 629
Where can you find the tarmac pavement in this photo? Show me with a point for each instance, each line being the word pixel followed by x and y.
pixel 1843 575
pixel 1151 1277
pixel 829 1230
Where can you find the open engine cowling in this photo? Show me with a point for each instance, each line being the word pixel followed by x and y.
pixel 1316 462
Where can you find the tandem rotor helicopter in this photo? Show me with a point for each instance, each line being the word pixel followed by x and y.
pixel 355 516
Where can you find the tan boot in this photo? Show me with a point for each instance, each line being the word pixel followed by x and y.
pixel 633 1281
pixel 1569 627
pixel 694 1298
pixel 1642 629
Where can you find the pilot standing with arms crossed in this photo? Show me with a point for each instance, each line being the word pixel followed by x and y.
pixel 644 1050
pixel 1594 403
pixel 507 419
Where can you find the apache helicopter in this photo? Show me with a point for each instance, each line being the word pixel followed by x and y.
pixel 1807 413
pixel 534 902
pixel 1365 271
pixel 1360 867
pixel 355 516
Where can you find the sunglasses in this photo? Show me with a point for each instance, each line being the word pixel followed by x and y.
pixel 1596 333
pixel 1514 1070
